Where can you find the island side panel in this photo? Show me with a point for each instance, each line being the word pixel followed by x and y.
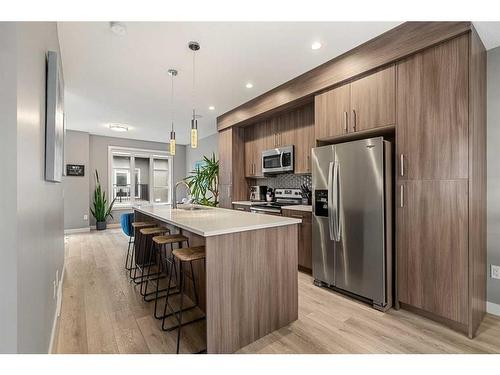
pixel 252 286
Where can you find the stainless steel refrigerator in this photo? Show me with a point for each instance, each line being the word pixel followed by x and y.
pixel 352 219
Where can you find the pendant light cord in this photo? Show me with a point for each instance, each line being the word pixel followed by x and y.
pixel 194 97
pixel 172 100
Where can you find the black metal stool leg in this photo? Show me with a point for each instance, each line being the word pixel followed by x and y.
pixel 147 266
pixel 180 309
pixel 128 253
pixel 166 298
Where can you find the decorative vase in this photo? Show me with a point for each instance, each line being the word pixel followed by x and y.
pixel 100 225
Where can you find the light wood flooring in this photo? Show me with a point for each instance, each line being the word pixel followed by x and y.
pixel 102 312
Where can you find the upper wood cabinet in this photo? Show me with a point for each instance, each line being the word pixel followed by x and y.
pixel 232 183
pixel 373 100
pixel 332 112
pixel 367 103
pixel 291 128
pixel 303 138
pixel 432 123
pixel 225 157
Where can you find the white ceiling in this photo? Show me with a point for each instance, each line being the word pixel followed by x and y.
pixel 109 78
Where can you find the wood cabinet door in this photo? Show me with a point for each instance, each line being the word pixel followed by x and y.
pixel 259 145
pixel 433 247
pixel 225 196
pixel 303 138
pixel 331 112
pixel 250 135
pixel 432 123
pixel 225 156
pixel 305 238
pixel 373 100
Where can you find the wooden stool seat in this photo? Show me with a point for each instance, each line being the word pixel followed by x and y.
pixel 189 254
pixel 142 224
pixel 155 230
pixel 169 239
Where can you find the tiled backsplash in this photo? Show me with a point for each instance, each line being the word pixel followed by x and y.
pixel 286 180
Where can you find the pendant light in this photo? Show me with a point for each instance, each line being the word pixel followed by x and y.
pixel 194 46
pixel 172 73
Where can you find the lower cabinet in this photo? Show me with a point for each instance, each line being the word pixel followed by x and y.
pixel 241 207
pixel 432 247
pixel 305 238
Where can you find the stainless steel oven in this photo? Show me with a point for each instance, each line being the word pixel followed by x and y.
pixel 278 160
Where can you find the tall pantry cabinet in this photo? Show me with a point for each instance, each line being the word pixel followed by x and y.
pixel 441 182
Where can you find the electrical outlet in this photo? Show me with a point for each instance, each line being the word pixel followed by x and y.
pixel 85 217
pixel 495 272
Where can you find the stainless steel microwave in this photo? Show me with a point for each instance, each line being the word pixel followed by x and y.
pixel 278 160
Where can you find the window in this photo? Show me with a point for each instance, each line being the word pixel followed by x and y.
pixel 152 176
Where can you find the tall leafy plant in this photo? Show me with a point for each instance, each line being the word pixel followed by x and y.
pixel 204 182
pixel 100 209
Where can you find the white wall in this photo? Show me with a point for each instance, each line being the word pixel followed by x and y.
pixel 32 209
pixel 8 188
pixel 493 170
pixel 76 188
pixel 205 147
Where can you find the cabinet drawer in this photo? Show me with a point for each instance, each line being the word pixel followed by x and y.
pixel 241 207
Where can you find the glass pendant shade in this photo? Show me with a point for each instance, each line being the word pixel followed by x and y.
pixel 194 133
pixel 172 143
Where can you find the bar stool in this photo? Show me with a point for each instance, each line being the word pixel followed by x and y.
pixel 129 227
pixel 186 255
pixel 161 243
pixel 146 236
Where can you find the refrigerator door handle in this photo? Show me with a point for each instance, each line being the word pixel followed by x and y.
pixel 330 201
pixel 336 184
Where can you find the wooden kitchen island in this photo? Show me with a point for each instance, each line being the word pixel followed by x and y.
pixel 250 276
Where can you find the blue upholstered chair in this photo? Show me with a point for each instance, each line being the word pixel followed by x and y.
pixel 126 221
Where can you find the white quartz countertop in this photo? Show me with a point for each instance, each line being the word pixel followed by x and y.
pixel 211 221
pixel 299 207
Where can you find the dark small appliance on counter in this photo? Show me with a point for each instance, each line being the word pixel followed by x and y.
pixel 258 193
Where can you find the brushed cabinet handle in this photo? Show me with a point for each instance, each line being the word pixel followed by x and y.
pixel 354 120
pixel 275 139
pixel 240 209
pixel 345 121
pixel 401 196
pixel 296 216
pixel 401 164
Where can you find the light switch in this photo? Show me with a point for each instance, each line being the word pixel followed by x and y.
pixel 495 272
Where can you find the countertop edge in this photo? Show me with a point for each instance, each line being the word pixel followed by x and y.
pixel 219 232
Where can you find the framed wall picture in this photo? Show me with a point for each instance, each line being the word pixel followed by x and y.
pixel 75 170
pixel 54 120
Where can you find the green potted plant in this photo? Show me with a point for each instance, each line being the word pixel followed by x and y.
pixel 100 209
pixel 204 182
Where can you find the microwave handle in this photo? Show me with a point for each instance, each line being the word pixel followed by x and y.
pixel 281 159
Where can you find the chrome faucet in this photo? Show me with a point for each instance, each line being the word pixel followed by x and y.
pixel 174 197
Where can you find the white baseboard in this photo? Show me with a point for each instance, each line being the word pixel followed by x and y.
pixel 58 310
pixel 77 230
pixel 109 226
pixel 493 308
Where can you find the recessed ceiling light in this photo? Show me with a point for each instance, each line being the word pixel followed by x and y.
pixel 118 28
pixel 118 127
pixel 211 108
pixel 316 45
pixel 249 85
